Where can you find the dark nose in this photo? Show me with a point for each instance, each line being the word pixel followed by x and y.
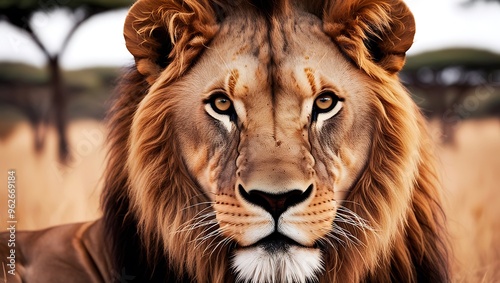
pixel 275 204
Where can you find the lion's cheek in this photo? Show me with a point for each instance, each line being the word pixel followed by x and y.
pixel 245 235
pixel 245 225
pixel 207 168
pixel 307 230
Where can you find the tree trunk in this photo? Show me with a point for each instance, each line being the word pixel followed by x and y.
pixel 59 107
pixel 455 105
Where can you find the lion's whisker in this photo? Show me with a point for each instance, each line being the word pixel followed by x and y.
pixel 350 217
pixel 350 238
pixel 214 235
pixel 196 222
pixel 210 203
pixel 339 231
pixel 222 243
pixel 327 241
pixel 211 234
pixel 200 216
pixel 196 226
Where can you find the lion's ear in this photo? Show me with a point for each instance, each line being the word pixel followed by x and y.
pixel 164 34
pixel 372 33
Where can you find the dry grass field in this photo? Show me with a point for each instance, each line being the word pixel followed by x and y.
pixel 49 193
pixel 471 179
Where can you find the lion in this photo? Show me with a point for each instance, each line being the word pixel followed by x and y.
pixel 259 141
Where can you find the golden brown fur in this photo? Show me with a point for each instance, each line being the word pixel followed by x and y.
pixel 167 220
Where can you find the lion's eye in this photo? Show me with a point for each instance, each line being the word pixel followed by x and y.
pixel 221 108
pixel 325 102
pixel 221 104
pixel 326 105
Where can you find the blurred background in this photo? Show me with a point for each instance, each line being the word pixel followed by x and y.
pixel 59 60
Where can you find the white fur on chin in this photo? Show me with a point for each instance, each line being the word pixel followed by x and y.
pixel 296 264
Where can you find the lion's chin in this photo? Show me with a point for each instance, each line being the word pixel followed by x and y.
pixel 289 263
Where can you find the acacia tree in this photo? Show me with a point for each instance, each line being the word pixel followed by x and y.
pixel 453 84
pixel 19 13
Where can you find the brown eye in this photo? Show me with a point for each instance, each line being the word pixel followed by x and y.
pixel 221 104
pixel 325 102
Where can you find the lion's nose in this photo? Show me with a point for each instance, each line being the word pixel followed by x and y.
pixel 275 204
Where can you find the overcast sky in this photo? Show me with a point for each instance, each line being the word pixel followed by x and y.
pixel 99 42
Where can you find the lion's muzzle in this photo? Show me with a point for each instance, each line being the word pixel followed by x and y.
pixel 275 204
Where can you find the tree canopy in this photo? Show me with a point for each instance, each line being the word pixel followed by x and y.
pixel 19 13
pixel 454 84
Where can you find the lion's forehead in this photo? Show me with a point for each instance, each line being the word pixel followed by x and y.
pixel 270 58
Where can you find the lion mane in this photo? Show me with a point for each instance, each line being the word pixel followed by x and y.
pixel 156 212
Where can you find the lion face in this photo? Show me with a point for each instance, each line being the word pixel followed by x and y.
pixel 275 132
pixel 275 144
